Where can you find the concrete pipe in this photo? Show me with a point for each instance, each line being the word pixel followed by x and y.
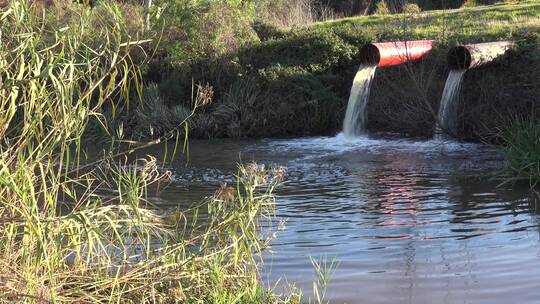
pixel 385 54
pixel 474 55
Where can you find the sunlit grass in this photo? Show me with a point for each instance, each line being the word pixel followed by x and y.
pixel 465 24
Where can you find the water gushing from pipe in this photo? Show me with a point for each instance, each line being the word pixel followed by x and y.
pixel 448 119
pixel 460 59
pixel 356 116
pixel 373 55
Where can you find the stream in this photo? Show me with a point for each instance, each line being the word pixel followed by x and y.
pixel 409 221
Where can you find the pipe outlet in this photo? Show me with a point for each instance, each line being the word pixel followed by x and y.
pixel 385 54
pixel 474 55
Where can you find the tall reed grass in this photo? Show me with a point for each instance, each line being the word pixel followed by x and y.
pixel 73 233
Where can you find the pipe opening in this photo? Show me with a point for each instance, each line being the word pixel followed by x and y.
pixel 370 55
pixel 459 58
pixel 387 54
pixel 475 55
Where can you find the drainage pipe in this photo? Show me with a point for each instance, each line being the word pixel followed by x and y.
pixel 465 57
pixel 385 54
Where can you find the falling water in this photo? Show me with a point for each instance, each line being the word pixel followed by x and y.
pixel 356 116
pixel 447 121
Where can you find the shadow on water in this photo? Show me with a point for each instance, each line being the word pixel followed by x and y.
pixel 410 221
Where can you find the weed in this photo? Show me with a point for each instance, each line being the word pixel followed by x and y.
pixel 522 143
pixel 324 271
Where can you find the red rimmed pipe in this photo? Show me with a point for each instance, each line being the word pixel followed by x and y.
pixel 386 54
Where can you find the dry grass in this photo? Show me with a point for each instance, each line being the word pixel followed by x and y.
pixel 294 13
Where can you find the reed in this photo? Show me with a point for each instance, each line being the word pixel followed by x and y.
pixel 324 270
pixel 74 233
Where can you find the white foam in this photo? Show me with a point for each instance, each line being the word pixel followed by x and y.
pixel 342 144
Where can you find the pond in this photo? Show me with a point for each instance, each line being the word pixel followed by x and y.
pixel 410 221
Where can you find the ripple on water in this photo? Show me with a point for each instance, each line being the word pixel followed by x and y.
pixel 410 221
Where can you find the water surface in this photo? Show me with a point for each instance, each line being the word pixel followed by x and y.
pixel 410 221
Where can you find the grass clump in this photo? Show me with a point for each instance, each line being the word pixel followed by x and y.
pixel 522 143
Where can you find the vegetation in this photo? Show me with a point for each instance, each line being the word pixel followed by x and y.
pixel 283 81
pixel 297 80
pixel 71 73
pixel 521 140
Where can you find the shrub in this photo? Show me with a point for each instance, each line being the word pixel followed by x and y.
pixel 195 30
pixel 239 114
pixel 311 49
pixel 382 8
pixel 74 233
pixel 51 85
pixel 266 31
pixel 412 8
pixel 152 118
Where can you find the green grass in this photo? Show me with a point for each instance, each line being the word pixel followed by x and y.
pixel 470 24
pixel 521 142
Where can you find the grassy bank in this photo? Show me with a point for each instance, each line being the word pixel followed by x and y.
pixel 284 82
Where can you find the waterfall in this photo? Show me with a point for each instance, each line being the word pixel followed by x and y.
pixel 448 109
pixel 356 115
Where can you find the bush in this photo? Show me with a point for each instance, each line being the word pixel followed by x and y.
pixel 239 113
pixel 74 233
pixel 311 49
pixel 152 118
pixel 287 13
pixel 470 3
pixel 382 8
pixel 195 30
pixel 412 8
pixel 267 31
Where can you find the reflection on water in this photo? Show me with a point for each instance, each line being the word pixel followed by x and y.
pixel 409 221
